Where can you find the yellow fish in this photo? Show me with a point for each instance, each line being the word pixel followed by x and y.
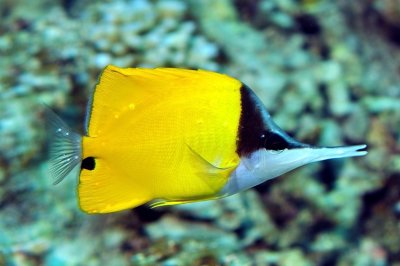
pixel 171 136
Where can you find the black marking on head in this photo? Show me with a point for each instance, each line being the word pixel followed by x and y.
pixel 88 163
pixel 275 142
pixel 256 128
pixel 251 126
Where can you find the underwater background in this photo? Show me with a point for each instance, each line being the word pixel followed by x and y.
pixel 328 71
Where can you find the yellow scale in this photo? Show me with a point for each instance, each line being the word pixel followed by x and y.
pixel 159 134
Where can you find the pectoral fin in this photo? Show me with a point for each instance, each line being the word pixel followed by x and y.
pixel 215 176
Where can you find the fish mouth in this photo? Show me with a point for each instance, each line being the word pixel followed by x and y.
pixel 342 152
pixel 272 163
pixel 308 154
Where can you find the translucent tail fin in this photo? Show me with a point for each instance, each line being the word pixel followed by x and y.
pixel 65 147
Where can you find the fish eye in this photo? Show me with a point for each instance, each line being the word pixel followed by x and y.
pixel 88 163
pixel 275 142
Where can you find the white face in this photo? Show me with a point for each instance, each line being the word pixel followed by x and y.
pixel 263 164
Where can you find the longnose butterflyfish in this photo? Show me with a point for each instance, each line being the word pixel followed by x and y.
pixel 169 136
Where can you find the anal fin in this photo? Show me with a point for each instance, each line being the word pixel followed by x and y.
pixel 103 190
pixel 162 203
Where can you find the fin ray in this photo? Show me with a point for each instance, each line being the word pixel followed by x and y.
pixel 64 147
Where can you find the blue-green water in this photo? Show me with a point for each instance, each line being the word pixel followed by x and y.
pixel 328 71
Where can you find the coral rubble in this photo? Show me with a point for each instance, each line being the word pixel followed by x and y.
pixel 326 70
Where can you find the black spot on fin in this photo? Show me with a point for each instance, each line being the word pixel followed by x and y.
pixel 88 163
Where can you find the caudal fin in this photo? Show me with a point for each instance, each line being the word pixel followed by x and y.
pixel 65 147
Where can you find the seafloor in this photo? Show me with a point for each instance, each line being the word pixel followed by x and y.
pixel 328 71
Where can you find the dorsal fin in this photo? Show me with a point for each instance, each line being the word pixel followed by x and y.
pixel 121 89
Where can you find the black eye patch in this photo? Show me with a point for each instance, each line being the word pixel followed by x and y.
pixel 88 163
pixel 275 142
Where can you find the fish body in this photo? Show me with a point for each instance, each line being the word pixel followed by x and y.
pixel 171 136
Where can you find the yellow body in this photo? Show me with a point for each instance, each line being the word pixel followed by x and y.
pixel 159 134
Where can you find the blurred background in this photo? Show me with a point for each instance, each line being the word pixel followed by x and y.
pixel 328 71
